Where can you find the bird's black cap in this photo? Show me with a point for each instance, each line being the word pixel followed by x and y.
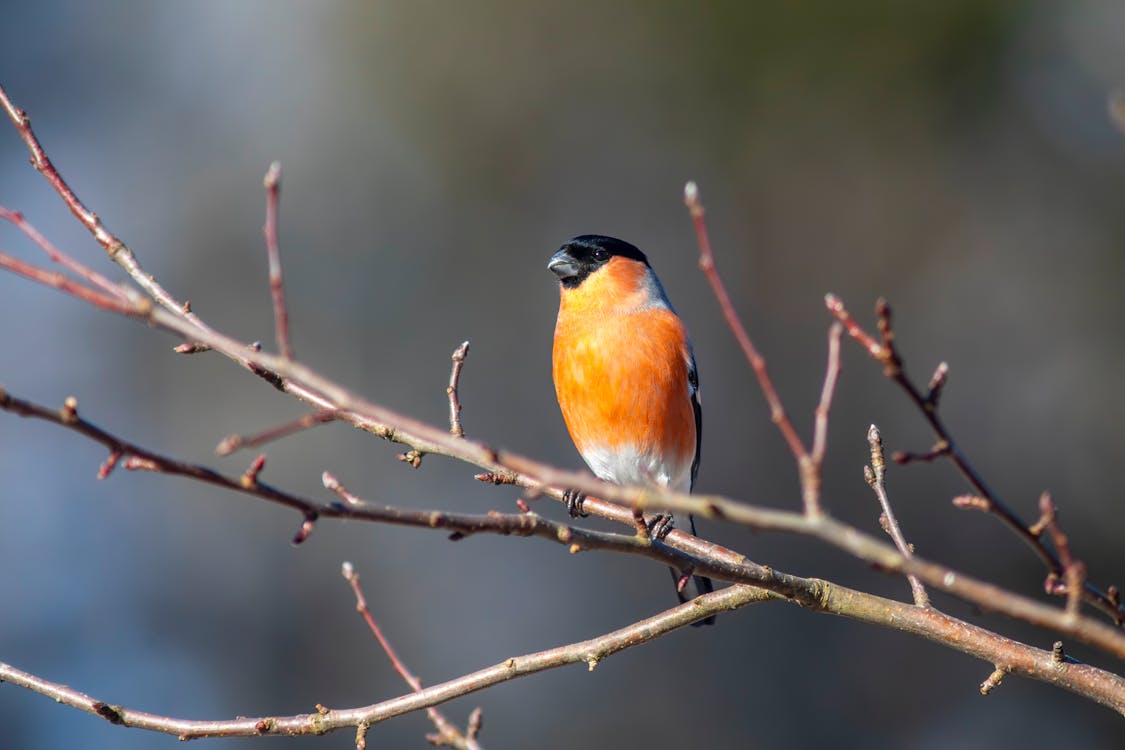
pixel 586 253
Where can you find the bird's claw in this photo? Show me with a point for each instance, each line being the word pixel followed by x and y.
pixel 660 525
pixel 573 499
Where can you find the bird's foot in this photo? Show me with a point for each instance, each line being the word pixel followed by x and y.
pixel 660 525
pixel 653 527
pixel 573 499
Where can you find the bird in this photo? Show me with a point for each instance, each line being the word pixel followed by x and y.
pixel 625 376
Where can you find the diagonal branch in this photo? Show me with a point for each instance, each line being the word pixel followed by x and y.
pixel 115 248
pixel 420 436
pixel 886 353
pixel 876 479
pixel 58 256
pixel 232 443
pixel 590 652
pixel 814 594
pixel 809 464
pixel 756 360
pixel 1016 658
pixel 448 733
pixel 831 376
pixel 67 285
pixel 302 382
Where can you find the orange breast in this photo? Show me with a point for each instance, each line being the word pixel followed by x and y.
pixel 621 376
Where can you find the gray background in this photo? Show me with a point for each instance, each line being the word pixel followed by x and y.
pixel 955 157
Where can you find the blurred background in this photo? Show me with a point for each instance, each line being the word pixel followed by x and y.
pixel 955 157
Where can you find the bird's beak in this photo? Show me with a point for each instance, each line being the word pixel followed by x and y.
pixel 562 265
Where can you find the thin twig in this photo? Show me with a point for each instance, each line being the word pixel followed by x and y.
pixel 876 478
pixel 459 355
pixel 809 470
pixel 232 443
pixel 1074 571
pixel 115 248
pixel 993 681
pixel 58 256
pixel 272 183
pixel 757 362
pixel 831 376
pixel 448 733
pixel 67 285
pixel 886 353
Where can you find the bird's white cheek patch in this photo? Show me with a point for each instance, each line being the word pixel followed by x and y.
pixel 627 465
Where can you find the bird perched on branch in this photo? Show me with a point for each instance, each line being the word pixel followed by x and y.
pixel 625 376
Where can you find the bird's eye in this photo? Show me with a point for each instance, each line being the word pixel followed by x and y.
pixel 601 254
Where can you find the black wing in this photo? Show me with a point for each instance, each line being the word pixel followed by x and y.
pixel 693 381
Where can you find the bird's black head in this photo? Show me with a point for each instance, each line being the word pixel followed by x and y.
pixel 581 256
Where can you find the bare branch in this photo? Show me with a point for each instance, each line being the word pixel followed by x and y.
pixel 448 734
pixel 1016 658
pixel 620 503
pixel 231 443
pixel 272 183
pixel 717 562
pixel 423 437
pixel 757 362
pixel 937 383
pixel 831 375
pixel 876 478
pixel 67 285
pixel 536 474
pixel 1074 571
pixel 590 652
pixel 58 256
pixel 927 403
pixel 836 306
pixel 114 247
pixel 459 355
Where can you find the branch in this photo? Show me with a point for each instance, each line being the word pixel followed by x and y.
pixel 831 376
pixel 679 549
pixel 886 353
pixel 809 464
pixel 65 284
pixel 232 443
pixel 448 733
pixel 459 355
pixel 116 249
pixel 58 256
pixel 272 183
pixel 721 563
pixel 1105 688
pixel 292 376
pixel 1074 571
pixel 757 362
pixel 590 652
pixel 876 479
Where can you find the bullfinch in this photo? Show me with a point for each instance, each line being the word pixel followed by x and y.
pixel 625 373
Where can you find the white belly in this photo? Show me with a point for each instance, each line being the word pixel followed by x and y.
pixel 629 466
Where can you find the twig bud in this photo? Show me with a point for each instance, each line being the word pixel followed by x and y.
pixel 993 681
